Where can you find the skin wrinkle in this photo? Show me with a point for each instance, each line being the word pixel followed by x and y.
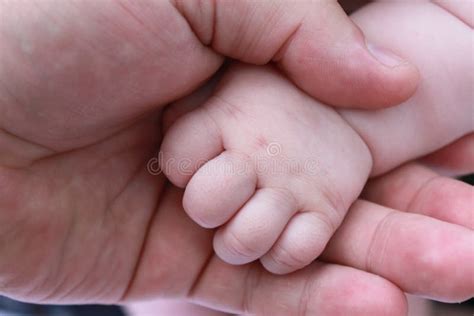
pixel 205 39
pixel 305 298
pixel 252 283
pixel 285 40
pixel 236 246
pixel 103 23
pixel 130 12
pixel 63 250
pixel 382 232
pixel 326 219
pixel 286 258
pixel 211 39
pixel 422 188
pixel 27 223
pixel 46 298
pixel 49 151
pixel 54 153
pixel 59 155
pixel 197 280
pixel 217 126
pixel 281 52
pixel 39 150
pixel 106 287
pixel 144 242
pixel 335 200
pixel 239 35
pixel 38 283
pixel 57 287
pixel 64 294
pixel 366 143
pixel 157 211
pixel 229 110
pixel 253 45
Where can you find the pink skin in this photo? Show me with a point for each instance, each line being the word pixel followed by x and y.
pixel 308 40
pixel 285 216
pixel 81 219
pixel 216 290
pixel 85 43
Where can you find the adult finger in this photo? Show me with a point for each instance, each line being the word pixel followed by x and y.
pixel 314 42
pixel 456 158
pixel 420 254
pixel 319 289
pixel 177 261
pixel 417 189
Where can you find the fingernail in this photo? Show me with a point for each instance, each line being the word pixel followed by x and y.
pixel 385 56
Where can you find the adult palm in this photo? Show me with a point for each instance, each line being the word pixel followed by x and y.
pixel 80 102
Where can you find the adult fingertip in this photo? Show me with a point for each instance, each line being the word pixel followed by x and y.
pixel 352 74
pixel 374 77
pixel 368 295
pixel 384 298
pixel 394 80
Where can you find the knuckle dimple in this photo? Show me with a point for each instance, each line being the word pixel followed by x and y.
pixel 334 200
pixel 281 196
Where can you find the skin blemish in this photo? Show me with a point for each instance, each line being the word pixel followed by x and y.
pixel 261 142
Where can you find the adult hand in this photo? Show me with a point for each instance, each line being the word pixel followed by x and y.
pixel 82 85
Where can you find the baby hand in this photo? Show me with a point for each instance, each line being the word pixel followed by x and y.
pixel 269 165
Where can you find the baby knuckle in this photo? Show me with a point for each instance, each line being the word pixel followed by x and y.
pixel 240 246
pixel 325 221
pixel 333 199
pixel 291 258
pixel 281 196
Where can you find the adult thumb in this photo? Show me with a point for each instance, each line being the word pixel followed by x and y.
pixel 314 42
